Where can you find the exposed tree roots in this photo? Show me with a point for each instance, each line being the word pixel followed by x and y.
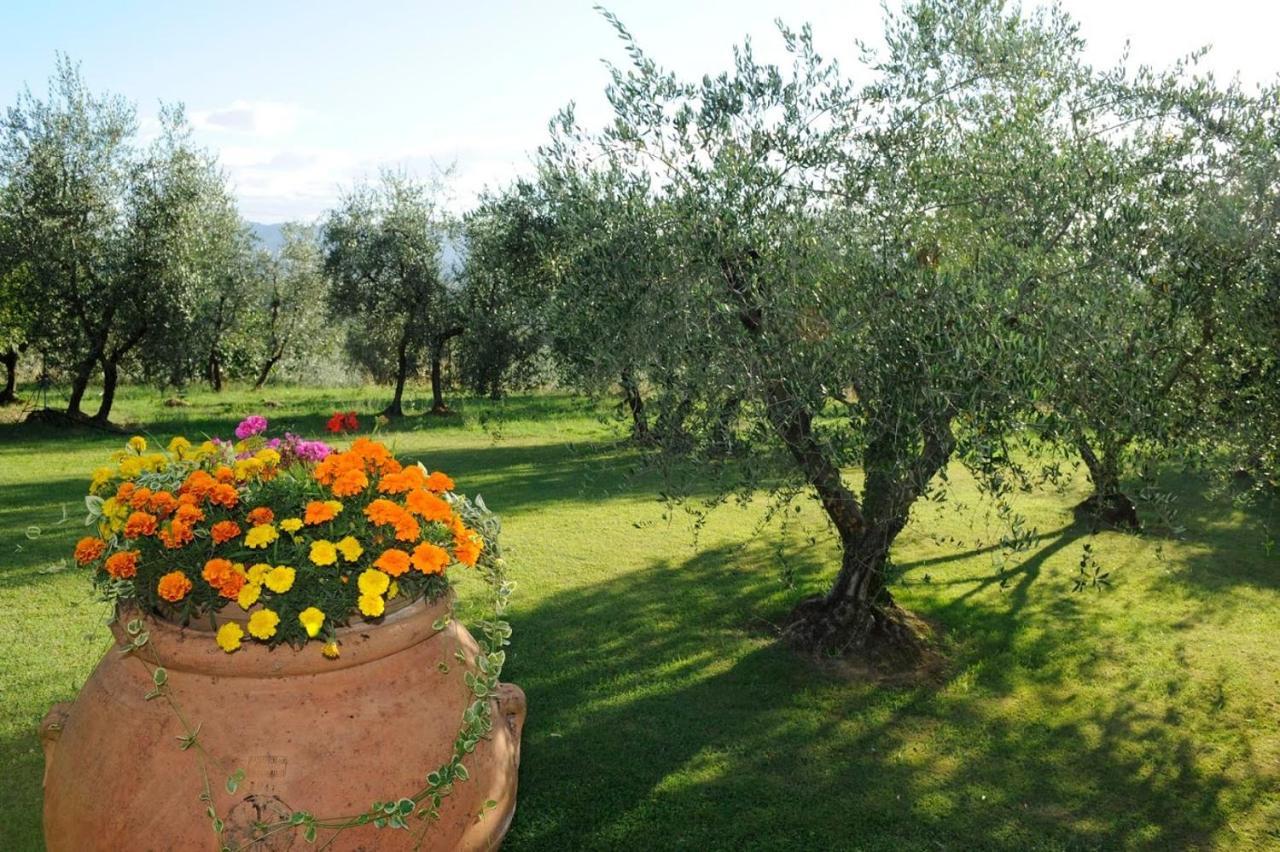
pixel 62 419
pixel 885 639
pixel 1113 510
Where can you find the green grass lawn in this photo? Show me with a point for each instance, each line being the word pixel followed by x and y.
pixel 661 712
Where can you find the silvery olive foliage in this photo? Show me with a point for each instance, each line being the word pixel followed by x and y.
pixel 123 257
pixel 974 240
pixel 382 259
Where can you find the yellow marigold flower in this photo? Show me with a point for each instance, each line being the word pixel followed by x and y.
pixel 373 582
pixel 131 467
pixel 291 525
pixel 156 461
pixel 268 457
pixel 229 636
pixel 311 619
pixel 258 573
pixel 137 443
pixel 101 476
pixel 280 579
pixel 261 536
pixel 371 605
pixel 393 590
pixel 330 650
pixel 350 548
pixel 208 448
pixel 323 552
pixel 179 446
pixel 249 594
pixel 262 624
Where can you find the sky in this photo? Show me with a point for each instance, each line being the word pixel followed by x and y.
pixel 301 99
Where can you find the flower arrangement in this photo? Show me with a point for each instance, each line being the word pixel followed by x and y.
pixel 294 537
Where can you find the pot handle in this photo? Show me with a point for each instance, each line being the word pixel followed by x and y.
pixel 50 730
pixel 512 707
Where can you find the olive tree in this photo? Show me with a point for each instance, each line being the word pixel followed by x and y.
pixel 288 292
pixel 382 259
pixel 878 272
pixel 66 163
pixel 109 234
pixel 504 289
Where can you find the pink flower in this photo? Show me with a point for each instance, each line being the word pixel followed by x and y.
pixel 254 424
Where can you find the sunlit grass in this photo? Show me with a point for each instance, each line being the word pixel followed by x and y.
pixel 663 715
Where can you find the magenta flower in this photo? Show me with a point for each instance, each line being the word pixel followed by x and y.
pixel 254 424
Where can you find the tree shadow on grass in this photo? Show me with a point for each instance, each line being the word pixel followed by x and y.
pixel 658 721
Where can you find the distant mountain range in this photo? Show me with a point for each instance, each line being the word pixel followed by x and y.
pixel 452 252
pixel 271 237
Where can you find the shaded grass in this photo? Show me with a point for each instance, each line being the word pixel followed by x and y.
pixel 662 714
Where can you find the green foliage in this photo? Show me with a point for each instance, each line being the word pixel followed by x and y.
pixel 505 286
pixel 119 249
pixel 894 271
pixel 382 257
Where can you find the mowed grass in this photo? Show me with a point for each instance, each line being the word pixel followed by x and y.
pixel 662 714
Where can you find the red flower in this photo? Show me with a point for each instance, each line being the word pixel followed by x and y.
pixel 341 422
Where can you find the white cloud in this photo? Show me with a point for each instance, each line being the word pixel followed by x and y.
pixel 279 182
pixel 259 118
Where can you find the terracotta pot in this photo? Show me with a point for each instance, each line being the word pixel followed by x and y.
pixel 326 736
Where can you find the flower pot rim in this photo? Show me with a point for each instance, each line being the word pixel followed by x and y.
pixel 192 648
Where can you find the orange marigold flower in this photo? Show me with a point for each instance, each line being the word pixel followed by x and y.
pixel 198 484
pixel 173 586
pixel 224 531
pixel 350 483
pixel 428 506
pixel 319 511
pixel 439 482
pixel 188 514
pixel 177 534
pixel 402 480
pixel 139 524
pixel 468 550
pixel 89 548
pixel 224 495
pixel 222 473
pixel 231 588
pixel 223 576
pixel 261 515
pixel 429 558
pixel 139 498
pixel 393 562
pixel 125 492
pixel 407 528
pixel 123 565
pixel 162 504
pixel 383 511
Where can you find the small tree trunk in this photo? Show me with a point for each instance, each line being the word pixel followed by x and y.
pixel 265 372
pixel 1108 503
pixel 215 373
pixel 10 360
pixel 79 384
pixel 110 379
pixel 635 404
pixel 495 386
pixel 437 373
pixel 437 379
pixel 396 408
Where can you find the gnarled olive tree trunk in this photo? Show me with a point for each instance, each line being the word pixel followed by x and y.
pixel 1108 503
pixel 10 360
